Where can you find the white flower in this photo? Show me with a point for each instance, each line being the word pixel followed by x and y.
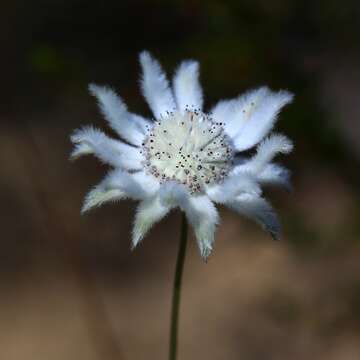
pixel 184 157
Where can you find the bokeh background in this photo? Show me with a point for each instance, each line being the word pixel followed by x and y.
pixel 70 288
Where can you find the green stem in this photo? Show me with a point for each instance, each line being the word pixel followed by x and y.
pixel 177 290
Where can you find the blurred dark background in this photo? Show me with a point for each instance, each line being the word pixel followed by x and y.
pixel 70 288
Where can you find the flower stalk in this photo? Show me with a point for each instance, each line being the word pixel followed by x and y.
pixel 175 306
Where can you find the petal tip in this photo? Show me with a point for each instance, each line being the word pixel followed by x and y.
pixel 145 56
pixel 95 89
pixel 205 252
pixel 274 235
pixel 136 239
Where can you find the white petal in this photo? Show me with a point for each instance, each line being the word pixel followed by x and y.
pixel 119 185
pixel 116 153
pixel 234 113
pixel 274 174
pixel 148 183
pixel 251 116
pixel 262 120
pixel 132 128
pixel 173 194
pixel 155 86
pixel 81 149
pixel 100 195
pixel 268 149
pixel 259 210
pixel 200 212
pixel 137 186
pixel 144 125
pixel 233 186
pixel 269 174
pixel 186 85
pixel 148 213
pixel 203 216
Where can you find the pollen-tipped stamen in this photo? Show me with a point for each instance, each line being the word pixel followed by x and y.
pixel 189 148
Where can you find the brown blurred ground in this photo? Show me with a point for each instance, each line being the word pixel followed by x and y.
pixel 70 288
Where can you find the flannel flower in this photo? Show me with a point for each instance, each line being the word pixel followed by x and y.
pixel 184 157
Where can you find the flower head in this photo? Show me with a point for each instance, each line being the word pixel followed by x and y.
pixel 187 158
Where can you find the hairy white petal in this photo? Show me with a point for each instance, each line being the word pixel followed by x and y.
pixel 81 149
pixel 173 194
pixel 259 210
pixel 233 186
pixel 262 120
pixel 251 116
pixel 100 195
pixel 118 185
pixel 187 89
pixel 113 152
pixel 266 151
pixel 155 86
pixel 200 212
pixel 132 128
pixel 148 183
pixel 148 213
pixel 269 174
pixel 245 166
pixel 236 112
pixel 144 125
pixel 203 216
pixel 274 174
pixel 137 186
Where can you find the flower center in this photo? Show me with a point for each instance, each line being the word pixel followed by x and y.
pixel 189 148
